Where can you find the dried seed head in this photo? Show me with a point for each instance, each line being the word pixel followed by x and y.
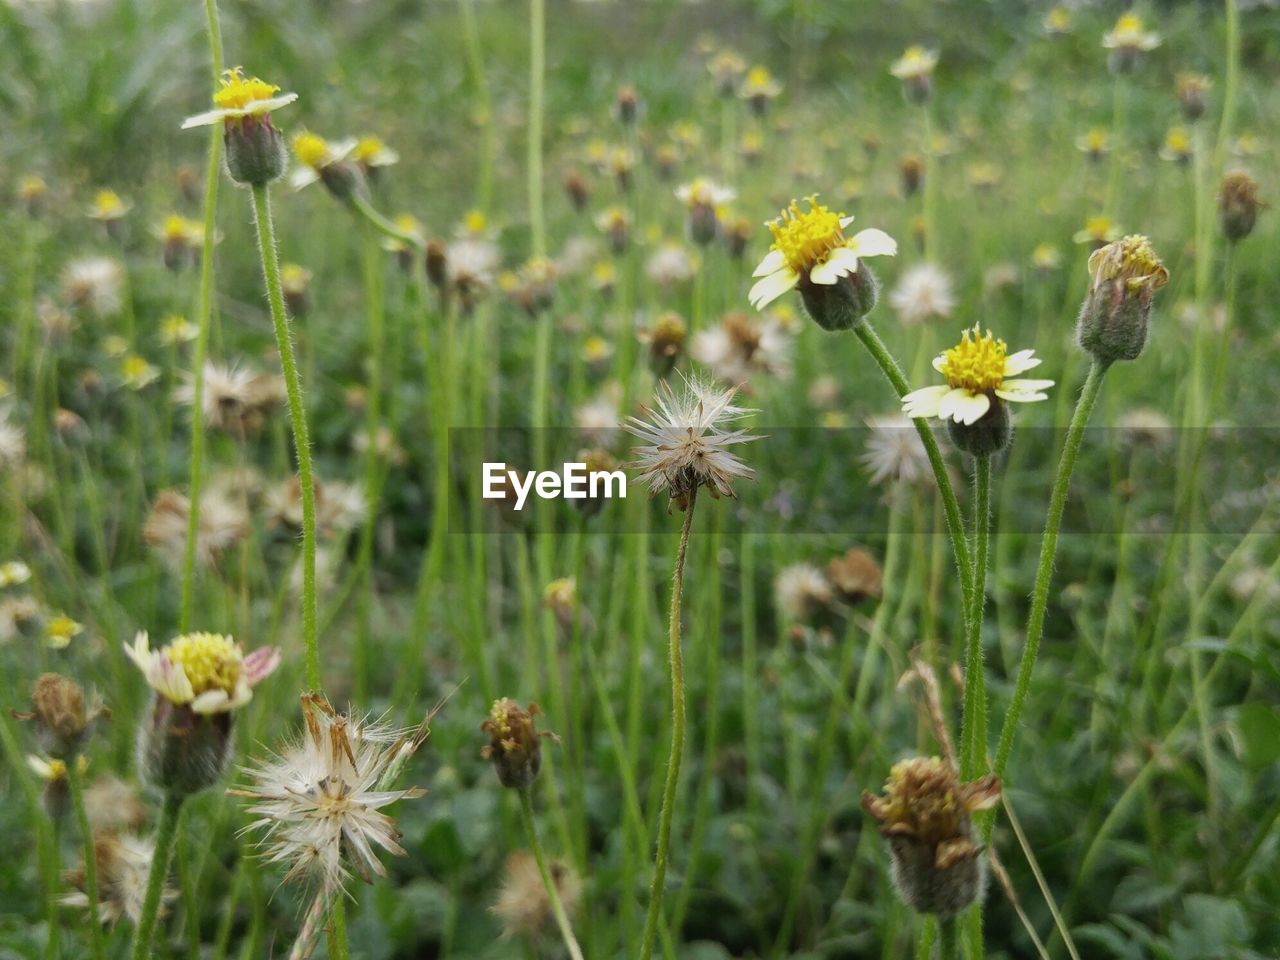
pixel 856 575
pixel 61 715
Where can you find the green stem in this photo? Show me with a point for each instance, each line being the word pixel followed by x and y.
pixel 677 738
pixel 955 523
pixel 1044 572
pixel 484 106
pixel 973 726
pixel 298 420
pixel 372 467
pixel 948 941
pixel 167 830
pixel 553 894
pixel 204 316
pixel 76 784
pixel 336 931
pixel 537 78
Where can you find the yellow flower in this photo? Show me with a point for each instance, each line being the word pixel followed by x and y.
pixel 1046 257
pixel 371 152
pixel 977 371
pixel 240 98
pixel 916 61
pixel 809 246
pixel 1132 260
pixel 1097 230
pixel 1094 142
pixel 137 373
pixel 175 328
pixel 1129 34
pixel 13 573
pixel 1057 21
pixel 115 345
pixel 207 671
pixel 180 230
pixel 759 84
pixel 108 206
pixel 1177 145
pixel 60 631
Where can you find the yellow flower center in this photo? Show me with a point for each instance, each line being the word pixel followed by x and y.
pixel 311 150
pixel 1098 227
pixel 475 222
pixel 1177 141
pixel 806 237
pixel 211 661
pixel 1096 140
pixel 975 363
pixel 498 718
pixel 759 77
pixel 62 628
pixel 107 203
pixel 368 148
pixel 1128 25
pixel 238 91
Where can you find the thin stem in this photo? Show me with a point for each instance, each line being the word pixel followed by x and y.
pixel 204 318
pixel 677 737
pixel 948 942
pixel 955 523
pixel 167 830
pixel 553 894
pixel 298 419
pixel 372 261
pixel 537 78
pixel 484 105
pixel 336 931
pixel 973 726
pixel 1044 572
pixel 76 784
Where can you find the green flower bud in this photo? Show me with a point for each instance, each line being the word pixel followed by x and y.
pixel 843 304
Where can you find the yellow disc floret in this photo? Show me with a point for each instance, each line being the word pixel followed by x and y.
pixel 236 91
pixel 311 150
pixel 805 237
pixel 975 363
pixel 211 661
pixel 368 149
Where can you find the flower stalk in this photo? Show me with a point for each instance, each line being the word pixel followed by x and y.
pixel 166 831
pixel 677 736
pixel 298 420
pixel 553 895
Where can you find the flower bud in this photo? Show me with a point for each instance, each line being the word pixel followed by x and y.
pixel 1238 205
pixel 925 815
pixel 254 150
pixel 666 340
pixel 627 105
pixel 575 187
pixel 911 168
pixel 515 745
pixel 61 716
pixel 843 304
pixel 1116 312
pixel 329 162
pixel 1193 95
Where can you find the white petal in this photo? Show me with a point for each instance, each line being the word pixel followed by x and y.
pixel 211 701
pixel 773 262
pixel 204 119
pixel 1020 362
pixel 924 402
pixel 302 176
pixel 840 262
pixel 972 408
pixel 772 287
pixel 939 362
pixel 872 243
pixel 845 221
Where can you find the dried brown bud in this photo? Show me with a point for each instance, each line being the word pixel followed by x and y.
pixel 1238 205
pixel 59 710
pixel 856 575
pixel 515 744
pixel 925 814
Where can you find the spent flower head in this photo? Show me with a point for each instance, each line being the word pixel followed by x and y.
pixel 319 801
pixel 515 743
pixel 1123 279
pixel 925 813
pixel 687 443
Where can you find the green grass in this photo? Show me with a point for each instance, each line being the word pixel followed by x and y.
pixel 1144 772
